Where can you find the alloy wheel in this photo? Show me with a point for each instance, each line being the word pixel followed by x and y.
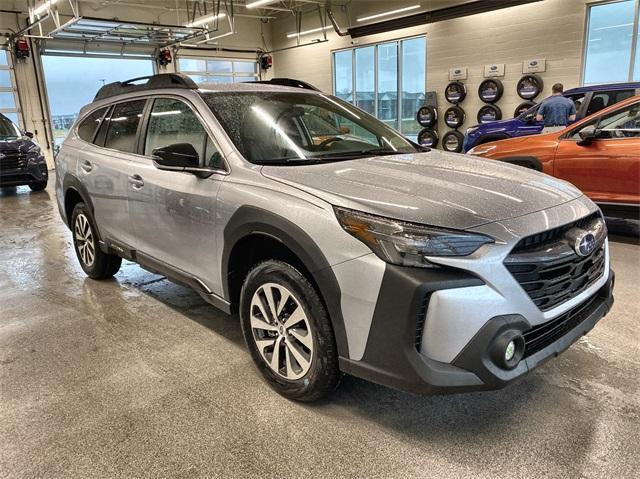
pixel 281 331
pixel 84 240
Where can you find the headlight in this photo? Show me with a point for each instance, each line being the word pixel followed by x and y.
pixel 34 148
pixel 472 130
pixel 404 243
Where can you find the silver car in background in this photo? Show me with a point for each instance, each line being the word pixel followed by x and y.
pixel 344 247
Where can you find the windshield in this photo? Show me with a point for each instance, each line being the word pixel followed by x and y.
pixel 8 131
pixel 292 127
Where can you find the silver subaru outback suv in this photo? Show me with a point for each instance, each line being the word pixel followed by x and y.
pixel 343 246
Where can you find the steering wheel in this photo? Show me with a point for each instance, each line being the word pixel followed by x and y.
pixel 328 141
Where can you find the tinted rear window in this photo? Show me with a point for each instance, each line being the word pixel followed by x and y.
pixel 88 126
pixel 123 126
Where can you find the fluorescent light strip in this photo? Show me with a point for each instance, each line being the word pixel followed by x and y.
pixel 44 7
pixel 384 14
pixel 306 32
pixel 203 20
pixel 259 3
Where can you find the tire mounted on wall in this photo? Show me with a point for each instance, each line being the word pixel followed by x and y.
pixel 452 141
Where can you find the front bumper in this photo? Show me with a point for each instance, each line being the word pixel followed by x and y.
pixel 392 356
pixel 33 172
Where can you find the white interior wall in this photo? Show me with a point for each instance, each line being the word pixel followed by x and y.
pixel 552 29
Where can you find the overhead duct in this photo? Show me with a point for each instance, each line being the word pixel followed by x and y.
pixel 439 15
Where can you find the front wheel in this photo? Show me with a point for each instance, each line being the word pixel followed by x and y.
pixel 288 332
pixel 94 262
pixel 41 185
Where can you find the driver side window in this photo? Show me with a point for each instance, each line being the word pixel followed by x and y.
pixel 623 123
pixel 171 122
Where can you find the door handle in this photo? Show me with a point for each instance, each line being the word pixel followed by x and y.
pixel 86 166
pixel 136 181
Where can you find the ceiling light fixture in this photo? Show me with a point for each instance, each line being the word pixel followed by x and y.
pixel 203 20
pixel 46 5
pixel 306 32
pixel 385 14
pixel 258 3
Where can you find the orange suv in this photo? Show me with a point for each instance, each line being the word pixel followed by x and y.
pixel 599 154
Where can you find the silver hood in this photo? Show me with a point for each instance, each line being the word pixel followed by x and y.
pixel 434 188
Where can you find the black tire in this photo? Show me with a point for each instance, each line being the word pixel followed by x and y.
pixel 454 117
pixel 103 265
pixel 522 107
pixel 322 374
pixel 38 186
pixel 490 90
pixel 529 87
pixel 427 116
pixel 489 113
pixel 455 92
pixel 428 138
pixel 453 141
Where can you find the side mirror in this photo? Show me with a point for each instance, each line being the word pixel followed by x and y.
pixel 28 134
pixel 176 157
pixel 179 157
pixel 587 135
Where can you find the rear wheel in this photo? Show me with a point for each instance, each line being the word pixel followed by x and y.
pixel 288 332
pixel 95 263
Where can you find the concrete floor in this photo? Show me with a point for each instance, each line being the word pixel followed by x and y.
pixel 139 377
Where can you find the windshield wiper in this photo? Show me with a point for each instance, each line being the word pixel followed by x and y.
pixel 361 154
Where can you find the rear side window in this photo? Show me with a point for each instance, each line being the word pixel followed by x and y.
pixel 601 100
pixel 123 126
pixel 89 125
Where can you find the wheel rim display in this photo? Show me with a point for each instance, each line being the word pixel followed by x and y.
pixel 489 113
pixel 452 141
pixel 522 107
pixel 85 244
pixel 427 116
pixel 454 117
pixel 428 138
pixel 281 331
pixel 529 87
pixel 490 91
pixel 455 92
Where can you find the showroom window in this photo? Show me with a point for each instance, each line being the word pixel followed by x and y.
pixel 218 70
pixel 89 74
pixel 612 52
pixel 387 80
pixel 9 104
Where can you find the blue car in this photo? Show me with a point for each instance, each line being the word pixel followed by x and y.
pixel 588 100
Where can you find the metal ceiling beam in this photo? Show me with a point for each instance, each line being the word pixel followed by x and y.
pixel 433 16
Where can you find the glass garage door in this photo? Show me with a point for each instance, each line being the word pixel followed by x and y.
pixel 218 70
pixel 89 73
pixel 9 104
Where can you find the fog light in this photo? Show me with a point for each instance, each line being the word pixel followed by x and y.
pixel 507 349
pixel 510 351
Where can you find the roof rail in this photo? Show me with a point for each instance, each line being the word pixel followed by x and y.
pixel 163 80
pixel 288 82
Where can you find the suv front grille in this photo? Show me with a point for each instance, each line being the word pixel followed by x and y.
pixel 541 336
pixel 12 160
pixel 551 280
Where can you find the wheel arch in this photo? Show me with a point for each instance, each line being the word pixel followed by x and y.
pixel 74 192
pixel 253 235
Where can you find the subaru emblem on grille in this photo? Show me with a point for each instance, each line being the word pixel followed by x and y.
pixel 585 244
